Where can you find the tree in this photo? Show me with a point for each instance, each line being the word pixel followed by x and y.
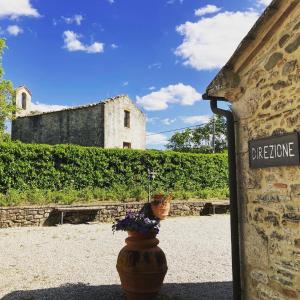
pixel 181 141
pixel 7 96
pixel 200 139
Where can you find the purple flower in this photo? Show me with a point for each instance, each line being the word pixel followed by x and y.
pixel 136 221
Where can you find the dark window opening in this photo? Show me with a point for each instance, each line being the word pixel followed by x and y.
pixel 126 145
pixel 127 118
pixel 24 98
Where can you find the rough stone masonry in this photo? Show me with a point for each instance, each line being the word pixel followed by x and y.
pixel 108 212
pixel 262 82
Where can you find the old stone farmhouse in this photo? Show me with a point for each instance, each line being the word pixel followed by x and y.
pixel 261 81
pixel 113 123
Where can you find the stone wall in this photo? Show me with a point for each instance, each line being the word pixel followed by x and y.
pixel 48 215
pixel 266 103
pixel 82 126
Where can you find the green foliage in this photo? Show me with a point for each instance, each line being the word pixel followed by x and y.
pixel 7 96
pixel 97 173
pixel 96 195
pixel 213 193
pixel 199 139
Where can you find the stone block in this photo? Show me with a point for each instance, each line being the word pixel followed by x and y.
pixel 271 197
pixel 280 84
pixel 295 192
pixel 283 40
pixel 280 185
pixel 272 218
pixel 259 276
pixel 293 46
pixel 29 217
pixel 291 294
pixel 38 216
pixel 267 293
pixel 289 67
pixel 291 217
pixel 273 60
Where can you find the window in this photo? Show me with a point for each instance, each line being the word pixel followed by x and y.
pixel 127 118
pixel 24 100
pixel 126 145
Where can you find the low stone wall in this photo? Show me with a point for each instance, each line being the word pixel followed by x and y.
pixel 49 215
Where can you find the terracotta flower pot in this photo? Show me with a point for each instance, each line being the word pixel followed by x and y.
pixel 142 267
pixel 161 206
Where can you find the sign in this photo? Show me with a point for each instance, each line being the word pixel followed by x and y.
pixel 275 151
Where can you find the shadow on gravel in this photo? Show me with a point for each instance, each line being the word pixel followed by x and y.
pixel 172 291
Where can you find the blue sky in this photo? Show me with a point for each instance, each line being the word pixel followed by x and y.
pixel 162 53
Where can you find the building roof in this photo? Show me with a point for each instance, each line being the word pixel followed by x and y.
pixel 101 102
pixel 260 33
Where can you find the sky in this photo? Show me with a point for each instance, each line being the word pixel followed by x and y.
pixel 162 53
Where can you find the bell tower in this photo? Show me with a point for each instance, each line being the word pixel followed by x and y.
pixel 23 100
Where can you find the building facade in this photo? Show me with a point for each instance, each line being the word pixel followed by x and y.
pixel 262 83
pixel 114 123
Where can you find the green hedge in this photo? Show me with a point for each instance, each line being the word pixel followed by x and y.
pixel 25 166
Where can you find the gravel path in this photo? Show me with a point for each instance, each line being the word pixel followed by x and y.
pixel 77 262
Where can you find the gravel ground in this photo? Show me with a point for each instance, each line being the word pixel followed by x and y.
pixel 77 262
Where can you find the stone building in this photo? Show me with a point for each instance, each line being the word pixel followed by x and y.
pixel 262 83
pixel 114 123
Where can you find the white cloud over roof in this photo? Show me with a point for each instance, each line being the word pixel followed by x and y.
pixel 173 94
pixel 42 107
pixel 209 42
pixel 264 2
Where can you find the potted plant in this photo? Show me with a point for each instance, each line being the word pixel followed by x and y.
pixel 141 264
pixel 161 205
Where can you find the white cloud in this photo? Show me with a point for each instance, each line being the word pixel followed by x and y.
pixel 72 43
pixel 209 43
pixel 196 119
pixel 173 1
pixel 156 139
pixel 111 1
pixel 168 121
pixel 208 9
pixel 42 107
pixel 151 120
pixel 14 30
pixel 77 19
pixel 151 88
pixel 17 8
pixel 114 46
pixel 172 94
pixel 264 2
pixel 155 65
pixel 125 83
